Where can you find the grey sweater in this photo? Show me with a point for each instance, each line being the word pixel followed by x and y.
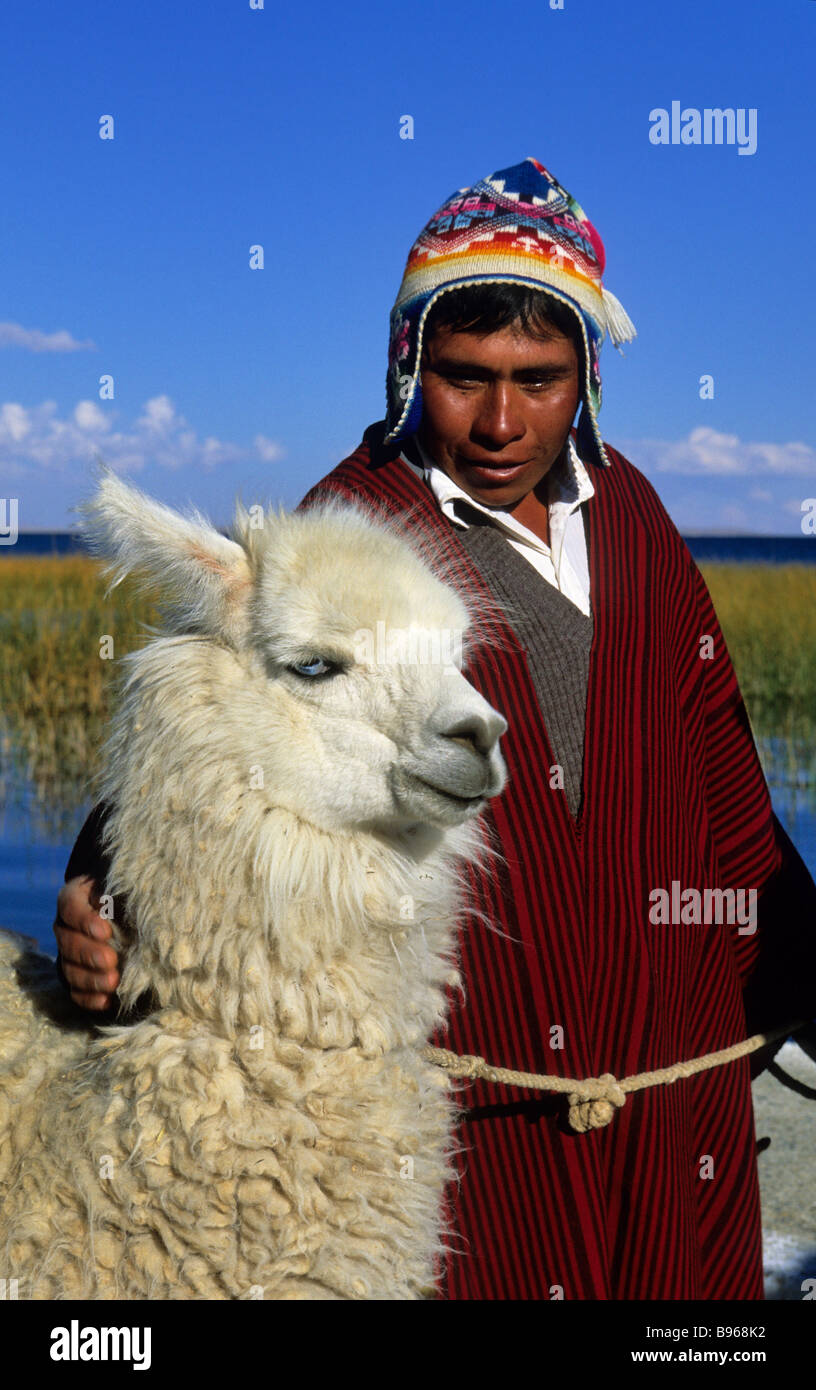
pixel 555 635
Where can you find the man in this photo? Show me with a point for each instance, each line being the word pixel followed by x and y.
pixel 631 769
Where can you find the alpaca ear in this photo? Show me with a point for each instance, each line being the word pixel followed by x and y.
pixel 204 574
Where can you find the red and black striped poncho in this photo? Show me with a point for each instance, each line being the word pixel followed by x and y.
pixel 663 1203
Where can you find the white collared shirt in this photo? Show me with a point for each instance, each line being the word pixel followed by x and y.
pixel 563 563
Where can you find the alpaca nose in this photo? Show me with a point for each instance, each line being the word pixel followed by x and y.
pixel 480 732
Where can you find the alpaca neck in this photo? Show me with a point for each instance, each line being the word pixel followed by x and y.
pixel 325 939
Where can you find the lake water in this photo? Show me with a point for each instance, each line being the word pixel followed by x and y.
pixel 43 543
pixel 768 550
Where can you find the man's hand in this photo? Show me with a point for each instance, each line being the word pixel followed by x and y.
pixel 88 963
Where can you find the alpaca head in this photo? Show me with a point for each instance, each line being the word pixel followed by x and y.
pixel 316 646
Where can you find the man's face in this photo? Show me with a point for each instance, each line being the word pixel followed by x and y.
pixel 497 408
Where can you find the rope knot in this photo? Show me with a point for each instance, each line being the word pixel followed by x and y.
pixel 594 1105
pixel 467 1067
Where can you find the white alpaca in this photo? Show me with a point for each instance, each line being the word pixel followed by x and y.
pixel 290 817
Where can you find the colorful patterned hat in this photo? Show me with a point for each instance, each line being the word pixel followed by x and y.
pixel 518 225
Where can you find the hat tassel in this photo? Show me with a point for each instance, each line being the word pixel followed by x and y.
pixel 618 323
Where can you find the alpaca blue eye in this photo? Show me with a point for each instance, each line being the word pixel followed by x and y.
pixel 316 666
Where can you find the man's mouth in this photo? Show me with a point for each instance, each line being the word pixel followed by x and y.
pixel 495 472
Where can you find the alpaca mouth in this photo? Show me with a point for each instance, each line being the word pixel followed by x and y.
pixel 466 802
pixel 451 796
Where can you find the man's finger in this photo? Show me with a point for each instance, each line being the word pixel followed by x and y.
pixel 94 1002
pixel 76 949
pixel 90 981
pixel 75 909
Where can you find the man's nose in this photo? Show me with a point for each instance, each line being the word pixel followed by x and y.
pixel 499 420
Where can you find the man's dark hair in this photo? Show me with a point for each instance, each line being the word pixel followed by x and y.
pixel 487 308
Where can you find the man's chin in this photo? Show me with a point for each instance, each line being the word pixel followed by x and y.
pixel 495 487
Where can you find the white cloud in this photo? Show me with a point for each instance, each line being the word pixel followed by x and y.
pixel 158 415
pixel 14 422
pixel 709 452
pixel 89 417
pixel 14 335
pixel 267 449
pixel 39 438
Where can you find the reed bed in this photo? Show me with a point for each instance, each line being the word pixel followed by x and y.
pixel 56 690
pixel 768 617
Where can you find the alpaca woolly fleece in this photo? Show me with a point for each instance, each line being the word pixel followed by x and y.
pixel 288 832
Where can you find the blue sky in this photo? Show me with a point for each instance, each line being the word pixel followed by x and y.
pixel 280 126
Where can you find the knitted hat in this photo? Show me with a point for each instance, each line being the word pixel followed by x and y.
pixel 518 225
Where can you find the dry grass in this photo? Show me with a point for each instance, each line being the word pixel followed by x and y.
pixel 768 617
pixel 55 687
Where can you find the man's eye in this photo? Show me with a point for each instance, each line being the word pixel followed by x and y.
pixel 536 383
pixel 315 666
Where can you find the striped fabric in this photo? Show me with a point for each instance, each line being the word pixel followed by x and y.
pixel 663 1203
